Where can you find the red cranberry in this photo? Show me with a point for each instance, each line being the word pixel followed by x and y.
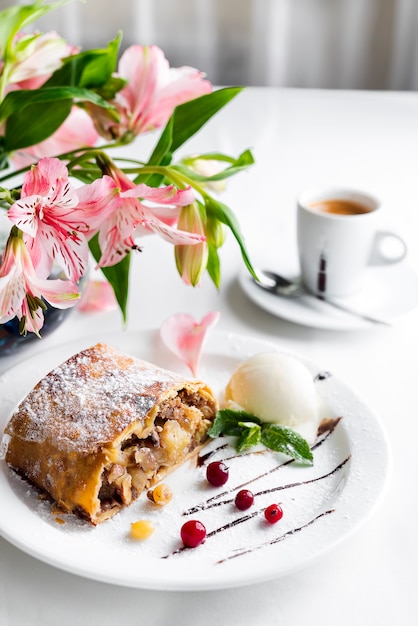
pixel 193 533
pixel 244 499
pixel 273 513
pixel 217 473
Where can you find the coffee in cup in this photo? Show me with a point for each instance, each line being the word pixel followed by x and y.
pixel 338 237
pixel 339 206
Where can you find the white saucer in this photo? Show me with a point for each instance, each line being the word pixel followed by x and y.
pixel 386 293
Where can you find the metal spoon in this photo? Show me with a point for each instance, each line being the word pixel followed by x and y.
pixel 281 286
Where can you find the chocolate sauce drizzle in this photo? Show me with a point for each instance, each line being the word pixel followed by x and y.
pixel 246 518
pixel 235 522
pixel 322 376
pixel 210 505
pixel 278 539
pixel 201 460
pixel 325 430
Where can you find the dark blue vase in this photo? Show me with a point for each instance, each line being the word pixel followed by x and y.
pixel 11 340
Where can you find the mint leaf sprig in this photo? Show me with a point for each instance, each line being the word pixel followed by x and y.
pixel 251 431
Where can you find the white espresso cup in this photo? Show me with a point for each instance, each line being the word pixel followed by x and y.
pixel 338 237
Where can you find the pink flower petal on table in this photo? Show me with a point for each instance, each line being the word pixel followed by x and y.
pixel 185 337
pixel 98 296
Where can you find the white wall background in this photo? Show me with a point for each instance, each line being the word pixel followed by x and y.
pixel 353 44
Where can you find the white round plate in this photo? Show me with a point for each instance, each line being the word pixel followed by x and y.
pixel 386 293
pixel 322 504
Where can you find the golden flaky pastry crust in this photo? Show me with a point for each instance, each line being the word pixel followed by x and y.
pixel 103 426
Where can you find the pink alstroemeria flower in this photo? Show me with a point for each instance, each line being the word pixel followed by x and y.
pixel 55 217
pixel 152 92
pixel 191 261
pixel 22 293
pixel 76 131
pixel 154 89
pixel 185 337
pixel 37 57
pixel 136 210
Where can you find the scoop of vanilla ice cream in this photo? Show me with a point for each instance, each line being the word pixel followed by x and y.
pixel 278 389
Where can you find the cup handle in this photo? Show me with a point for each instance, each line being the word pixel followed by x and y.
pixel 378 256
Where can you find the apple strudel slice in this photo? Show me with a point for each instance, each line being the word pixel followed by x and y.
pixel 103 426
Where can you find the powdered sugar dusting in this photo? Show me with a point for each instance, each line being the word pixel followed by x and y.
pixel 91 398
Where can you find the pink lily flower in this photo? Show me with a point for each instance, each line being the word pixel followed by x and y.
pixel 76 131
pixel 153 90
pixel 136 210
pixel 185 337
pixel 55 217
pixel 22 293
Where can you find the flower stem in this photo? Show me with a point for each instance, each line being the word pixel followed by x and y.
pixel 178 179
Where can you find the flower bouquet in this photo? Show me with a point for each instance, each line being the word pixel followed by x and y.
pixel 62 112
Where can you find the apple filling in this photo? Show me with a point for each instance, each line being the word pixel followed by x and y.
pixel 179 427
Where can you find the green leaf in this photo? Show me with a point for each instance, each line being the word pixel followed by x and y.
pixel 244 161
pixel 17 101
pixel 92 69
pixel 229 422
pixel 287 441
pixel 110 88
pixel 191 116
pixel 34 115
pixel 117 275
pixel 162 149
pixel 187 119
pixel 15 18
pixel 251 430
pixel 160 156
pixel 250 436
pixel 214 265
pixel 4 162
pixel 224 214
pixel 35 124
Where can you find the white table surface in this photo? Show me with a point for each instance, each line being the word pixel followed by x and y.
pixel 300 138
